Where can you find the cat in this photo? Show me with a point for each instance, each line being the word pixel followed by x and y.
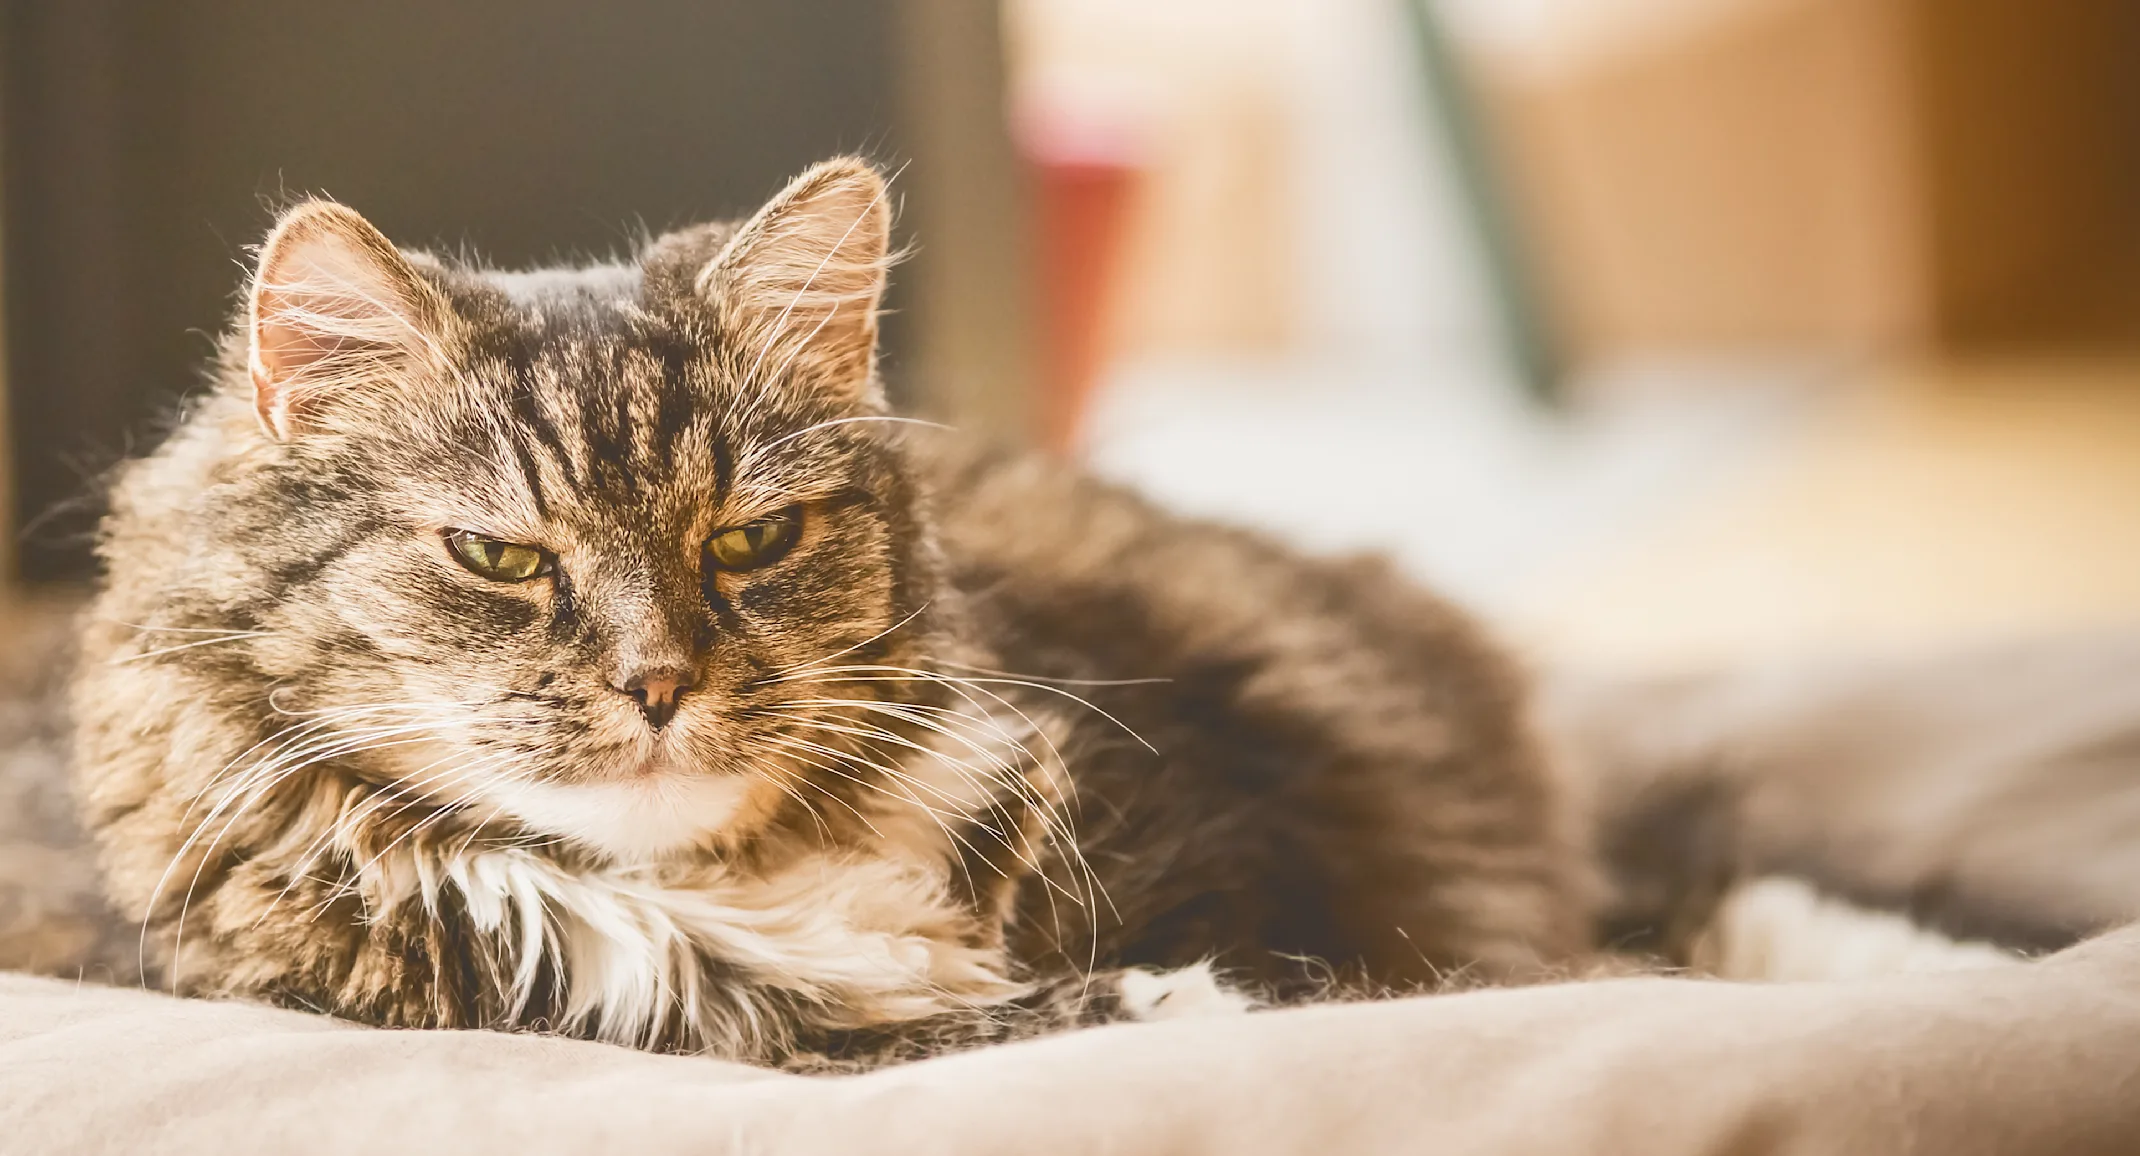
pixel 591 650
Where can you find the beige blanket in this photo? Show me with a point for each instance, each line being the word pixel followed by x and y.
pixel 2041 1057
pixel 1998 794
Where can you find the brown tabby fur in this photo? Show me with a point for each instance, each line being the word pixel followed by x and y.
pixel 989 734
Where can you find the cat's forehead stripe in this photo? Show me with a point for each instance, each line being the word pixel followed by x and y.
pixel 530 469
pixel 531 406
pixel 595 398
pixel 593 417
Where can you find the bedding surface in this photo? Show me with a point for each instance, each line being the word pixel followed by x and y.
pixel 1995 794
pixel 2035 1057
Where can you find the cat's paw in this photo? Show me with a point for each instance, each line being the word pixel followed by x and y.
pixel 1185 993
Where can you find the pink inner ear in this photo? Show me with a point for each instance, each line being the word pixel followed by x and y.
pixel 288 350
pixel 302 352
pixel 332 312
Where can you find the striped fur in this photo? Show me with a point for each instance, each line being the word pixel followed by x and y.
pixel 988 739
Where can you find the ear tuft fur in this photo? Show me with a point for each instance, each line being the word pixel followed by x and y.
pixel 334 309
pixel 798 286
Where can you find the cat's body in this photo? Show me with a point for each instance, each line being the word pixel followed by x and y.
pixel 1340 767
pixel 589 651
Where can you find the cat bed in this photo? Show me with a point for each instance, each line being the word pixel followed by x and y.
pixel 2037 1057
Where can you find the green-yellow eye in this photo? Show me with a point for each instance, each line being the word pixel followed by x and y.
pixel 754 544
pixel 495 560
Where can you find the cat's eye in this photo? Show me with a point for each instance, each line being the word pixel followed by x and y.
pixel 754 544
pixel 496 560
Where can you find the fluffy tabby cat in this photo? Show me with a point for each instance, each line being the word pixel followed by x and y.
pixel 589 650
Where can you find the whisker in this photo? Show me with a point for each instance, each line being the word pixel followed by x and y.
pixel 163 650
pixel 414 783
pixel 147 629
pixel 1057 825
pixel 796 752
pixel 1024 857
pixel 851 649
pixel 263 783
pixel 355 878
pixel 780 783
pixel 319 742
pixel 1060 826
pixel 935 815
pixel 904 674
pixel 1052 681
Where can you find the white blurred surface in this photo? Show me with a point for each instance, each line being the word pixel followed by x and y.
pixel 1438 462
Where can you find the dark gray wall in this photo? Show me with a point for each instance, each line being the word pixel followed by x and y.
pixel 147 143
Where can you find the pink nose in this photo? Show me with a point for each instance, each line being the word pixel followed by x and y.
pixel 657 692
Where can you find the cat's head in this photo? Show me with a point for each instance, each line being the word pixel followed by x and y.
pixel 589 547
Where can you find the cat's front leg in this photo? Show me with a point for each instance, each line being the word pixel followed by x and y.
pixel 1193 992
pixel 1121 995
pixel 1128 995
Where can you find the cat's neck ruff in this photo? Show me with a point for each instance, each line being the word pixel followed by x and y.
pixel 708 952
pixel 706 957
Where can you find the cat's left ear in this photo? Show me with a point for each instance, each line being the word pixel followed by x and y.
pixel 798 286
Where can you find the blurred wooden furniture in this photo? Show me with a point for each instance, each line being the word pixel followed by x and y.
pixel 972 355
pixel 1959 174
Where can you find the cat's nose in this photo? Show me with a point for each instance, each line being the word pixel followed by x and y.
pixel 656 692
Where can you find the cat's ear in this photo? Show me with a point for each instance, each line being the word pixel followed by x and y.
pixel 797 287
pixel 335 311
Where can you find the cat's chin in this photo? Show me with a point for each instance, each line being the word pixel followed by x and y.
pixel 643 817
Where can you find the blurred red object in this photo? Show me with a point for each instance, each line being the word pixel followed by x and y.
pixel 1086 173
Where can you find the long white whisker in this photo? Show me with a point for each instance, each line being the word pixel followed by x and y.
pixel 171 629
pixel 1023 856
pixel 458 774
pixel 1059 825
pixel 1052 681
pixel 257 781
pixel 851 649
pixel 797 749
pixel 934 815
pixel 903 674
pixel 247 797
pixel 414 784
pixel 163 650
pixel 782 784
pixel 759 452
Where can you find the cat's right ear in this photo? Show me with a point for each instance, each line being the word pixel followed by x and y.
pixel 335 312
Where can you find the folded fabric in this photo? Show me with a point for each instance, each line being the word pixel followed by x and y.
pixel 2032 1058
pixel 1992 793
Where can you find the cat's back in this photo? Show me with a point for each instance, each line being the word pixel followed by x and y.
pixel 1332 762
pixel 1042 547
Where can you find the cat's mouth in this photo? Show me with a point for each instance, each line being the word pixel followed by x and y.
pixel 658 763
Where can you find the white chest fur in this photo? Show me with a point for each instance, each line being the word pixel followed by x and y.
pixel 723 961
pixel 714 957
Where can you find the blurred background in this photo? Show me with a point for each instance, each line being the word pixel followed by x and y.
pixel 1664 333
